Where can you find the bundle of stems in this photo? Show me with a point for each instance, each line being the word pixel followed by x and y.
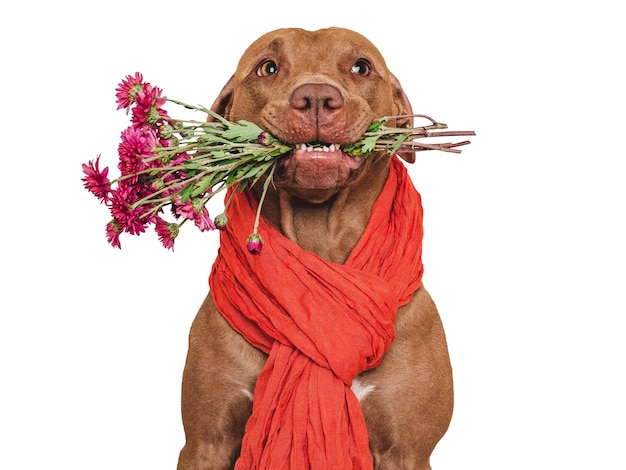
pixel 184 163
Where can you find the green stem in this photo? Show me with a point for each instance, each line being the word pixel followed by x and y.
pixel 266 184
pixel 200 108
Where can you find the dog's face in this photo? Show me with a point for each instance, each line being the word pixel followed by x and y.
pixel 317 90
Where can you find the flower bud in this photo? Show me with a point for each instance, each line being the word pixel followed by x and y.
pixel 197 204
pixel 153 116
pixel 220 221
pixel 254 243
pixel 187 133
pixel 265 138
pixel 166 131
pixel 164 157
pixel 157 184
pixel 174 229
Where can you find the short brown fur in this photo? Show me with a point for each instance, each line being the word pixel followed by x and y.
pixel 410 406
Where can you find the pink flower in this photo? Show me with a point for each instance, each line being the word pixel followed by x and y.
pixel 113 234
pixel 136 145
pixel 128 219
pixel 204 222
pixel 127 91
pixel 167 232
pixel 148 110
pixel 180 158
pixel 96 181
pixel 254 243
pixel 156 170
pixel 194 209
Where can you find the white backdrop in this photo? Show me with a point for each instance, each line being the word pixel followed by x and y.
pixel 524 246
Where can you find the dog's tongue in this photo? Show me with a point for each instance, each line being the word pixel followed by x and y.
pixel 319 169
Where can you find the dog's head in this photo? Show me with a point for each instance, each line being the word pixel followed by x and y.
pixel 317 90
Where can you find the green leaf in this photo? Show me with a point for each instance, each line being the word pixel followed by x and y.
pixel 283 149
pixel 354 149
pixel 255 170
pixel 238 173
pixel 212 128
pixel 243 131
pixel 186 192
pixel 217 154
pixel 369 143
pixel 211 139
pixel 192 165
pixel 202 186
pixel 399 140
pixel 262 169
pixel 264 154
pixel 376 125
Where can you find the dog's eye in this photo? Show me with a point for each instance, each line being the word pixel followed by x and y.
pixel 267 68
pixel 361 67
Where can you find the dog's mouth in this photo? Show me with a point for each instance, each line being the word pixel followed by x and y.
pixel 318 165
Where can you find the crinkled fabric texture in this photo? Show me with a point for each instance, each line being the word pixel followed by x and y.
pixel 321 324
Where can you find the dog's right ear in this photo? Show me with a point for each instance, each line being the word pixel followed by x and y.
pixel 223 102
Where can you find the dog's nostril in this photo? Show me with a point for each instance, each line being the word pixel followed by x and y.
pixel 316 96
pixel 333 102
pixel 300 103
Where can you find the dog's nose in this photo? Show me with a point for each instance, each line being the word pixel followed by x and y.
pixel 317 101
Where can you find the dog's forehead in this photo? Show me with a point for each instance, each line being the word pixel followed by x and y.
pixel 323 45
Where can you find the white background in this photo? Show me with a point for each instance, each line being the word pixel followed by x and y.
pixel 524 246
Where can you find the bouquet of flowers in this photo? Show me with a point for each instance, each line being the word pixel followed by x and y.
pixel 183 163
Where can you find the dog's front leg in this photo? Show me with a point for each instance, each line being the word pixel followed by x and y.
pixel 407 400
pixel 218 383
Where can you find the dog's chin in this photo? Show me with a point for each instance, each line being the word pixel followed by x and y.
pixel 317 171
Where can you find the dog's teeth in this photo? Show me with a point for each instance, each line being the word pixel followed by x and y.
pixel 325 148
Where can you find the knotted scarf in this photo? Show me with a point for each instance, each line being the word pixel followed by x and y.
pixel 321 324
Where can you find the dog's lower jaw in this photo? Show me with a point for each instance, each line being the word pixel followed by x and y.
pixel 315 172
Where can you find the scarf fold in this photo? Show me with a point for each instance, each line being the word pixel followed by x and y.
pixel 321 324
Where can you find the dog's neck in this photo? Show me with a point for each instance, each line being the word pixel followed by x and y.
pixel 330 228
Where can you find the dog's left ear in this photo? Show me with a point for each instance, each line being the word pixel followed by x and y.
pixel 222 103
pixel 402 106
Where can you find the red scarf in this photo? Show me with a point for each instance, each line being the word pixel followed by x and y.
pixel 321 324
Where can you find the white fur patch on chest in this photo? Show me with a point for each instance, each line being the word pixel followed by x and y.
pixel 360 390
pixel 247 393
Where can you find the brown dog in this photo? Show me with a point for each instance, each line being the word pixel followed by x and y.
pixel 304 87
